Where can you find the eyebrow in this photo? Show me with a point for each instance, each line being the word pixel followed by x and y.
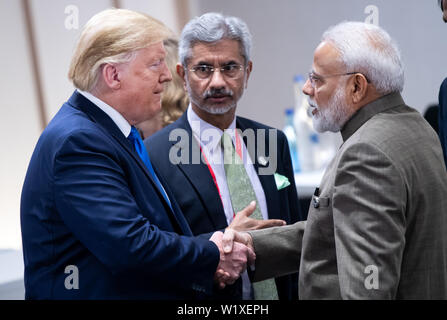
pixel 230 62
pixel 315 73
pixel 204 63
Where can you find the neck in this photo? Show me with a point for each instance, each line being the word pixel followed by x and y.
pixel 221 121
pixel 371 96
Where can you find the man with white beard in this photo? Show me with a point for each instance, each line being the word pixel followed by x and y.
pixel 377 225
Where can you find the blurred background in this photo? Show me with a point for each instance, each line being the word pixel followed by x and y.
pixel 38 38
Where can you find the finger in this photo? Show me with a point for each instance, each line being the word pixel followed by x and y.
pixel 251 257
pixel 271 223
pixel 248 210
pixel 216 236
pixel 221 276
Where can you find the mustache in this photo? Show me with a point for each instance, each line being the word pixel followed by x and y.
pixel 312 103
pixel 217 93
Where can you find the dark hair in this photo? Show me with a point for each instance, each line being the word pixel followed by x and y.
pixel 440 4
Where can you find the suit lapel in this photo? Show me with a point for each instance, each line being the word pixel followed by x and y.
pixel 200 178
pixel 267 181
pixel 106 123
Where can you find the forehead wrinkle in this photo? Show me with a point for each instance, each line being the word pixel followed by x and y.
pixel 327 59
pixel 220 51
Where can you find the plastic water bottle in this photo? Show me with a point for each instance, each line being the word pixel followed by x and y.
pixel 307 138
pixel 289 131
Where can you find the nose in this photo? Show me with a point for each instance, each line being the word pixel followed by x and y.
pixel 217 80
pixel 308 89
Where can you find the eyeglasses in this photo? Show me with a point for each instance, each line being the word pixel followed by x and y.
pixel 231 71
pixel 314 78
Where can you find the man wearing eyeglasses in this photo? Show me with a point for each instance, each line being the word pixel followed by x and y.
pixel 442 118
pixel 377 224
pixel 215 66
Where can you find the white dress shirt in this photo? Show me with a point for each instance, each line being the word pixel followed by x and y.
pixel 119 120
pixel 209 137
pixel 116 117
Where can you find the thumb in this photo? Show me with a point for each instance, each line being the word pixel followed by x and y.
pixel 228 239
pixel 248 210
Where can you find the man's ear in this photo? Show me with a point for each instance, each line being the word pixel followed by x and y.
pixel 359 88
pixel 249 68
pixel 111 76
pixel 181 73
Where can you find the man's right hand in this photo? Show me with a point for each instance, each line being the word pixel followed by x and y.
pixel 232 237
pixel 233 263
pixel 243 222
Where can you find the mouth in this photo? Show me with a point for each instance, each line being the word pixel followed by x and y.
pixel 313 109
pixel 218 98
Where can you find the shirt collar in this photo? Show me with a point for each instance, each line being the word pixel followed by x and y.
pixel 116 117
pixel 366 112
pixel 205 132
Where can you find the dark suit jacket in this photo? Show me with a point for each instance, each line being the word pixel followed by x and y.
pixel 89 201
pixel 443 118
pixel 199 199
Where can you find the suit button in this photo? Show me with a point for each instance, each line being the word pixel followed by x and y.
pixel 316 202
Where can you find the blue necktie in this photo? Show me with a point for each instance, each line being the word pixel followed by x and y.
pixel 137 142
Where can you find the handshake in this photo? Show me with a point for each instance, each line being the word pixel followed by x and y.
pixel 236 247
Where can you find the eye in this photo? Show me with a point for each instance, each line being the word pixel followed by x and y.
pixel 203 68
pixel 314 78
pixel 156 64
pixel 203 71
pixel 231 70
pixel 230 67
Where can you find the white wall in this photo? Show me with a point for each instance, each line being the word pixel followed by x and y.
pixel 286 32
pixel 19 125
pixel 165 10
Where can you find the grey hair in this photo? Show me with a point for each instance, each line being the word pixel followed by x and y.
pixel 368 49
pixel 212 27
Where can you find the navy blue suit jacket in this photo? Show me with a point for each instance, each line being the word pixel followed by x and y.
pixel 443 118
pixel 195 191
pixel 89 201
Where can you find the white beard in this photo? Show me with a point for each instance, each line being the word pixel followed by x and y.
pixel 334 115
pixel 215 110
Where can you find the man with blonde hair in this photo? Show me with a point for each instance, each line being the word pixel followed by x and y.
pixel 97 220
pixel 377 225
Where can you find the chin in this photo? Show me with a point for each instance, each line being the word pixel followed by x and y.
pixel 218 109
